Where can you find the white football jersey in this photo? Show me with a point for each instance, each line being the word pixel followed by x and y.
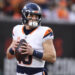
pixel 35 39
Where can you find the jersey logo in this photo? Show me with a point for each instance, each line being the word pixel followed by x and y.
pixel 48 32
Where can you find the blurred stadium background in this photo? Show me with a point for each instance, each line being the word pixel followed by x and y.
pixel 59 15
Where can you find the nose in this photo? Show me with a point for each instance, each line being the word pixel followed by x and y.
pixel 34 17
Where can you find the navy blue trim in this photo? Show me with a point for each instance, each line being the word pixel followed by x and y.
pixel 28 31
pixel 11 51
pixel 38 54
pixel 28 70
pixel 51 33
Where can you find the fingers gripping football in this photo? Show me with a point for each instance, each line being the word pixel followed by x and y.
pixel 23 49
pixel 18 51
pixel 26 49
pixel 15 45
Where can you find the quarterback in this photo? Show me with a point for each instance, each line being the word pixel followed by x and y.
pixel 39 47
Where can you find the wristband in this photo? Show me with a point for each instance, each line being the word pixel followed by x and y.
pixel 11 51
pixel 37 54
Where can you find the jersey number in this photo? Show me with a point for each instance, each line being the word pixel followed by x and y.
pixel 27 60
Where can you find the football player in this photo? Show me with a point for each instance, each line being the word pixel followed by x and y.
pixel 39 47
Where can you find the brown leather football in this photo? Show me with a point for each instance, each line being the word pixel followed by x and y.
pixel 18 54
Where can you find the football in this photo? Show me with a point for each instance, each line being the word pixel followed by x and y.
pixel 18 54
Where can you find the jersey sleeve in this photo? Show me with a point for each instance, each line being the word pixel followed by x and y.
pixel 48 34
pixel 14 33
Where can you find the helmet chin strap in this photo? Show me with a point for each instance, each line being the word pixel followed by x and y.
pixel 33 24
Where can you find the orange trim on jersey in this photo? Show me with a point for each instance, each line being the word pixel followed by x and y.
pixel 48 31
pixel 23 30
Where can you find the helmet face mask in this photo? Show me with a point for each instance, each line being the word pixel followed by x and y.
pixel 31 9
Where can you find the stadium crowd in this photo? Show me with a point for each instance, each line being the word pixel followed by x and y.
pixel 53 10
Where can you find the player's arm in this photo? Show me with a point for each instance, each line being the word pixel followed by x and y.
pixel 9 55
pixel 49 53
pixel 11 49
pixel 13 46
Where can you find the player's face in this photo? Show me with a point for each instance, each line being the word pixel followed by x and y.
pixel 32 20
pixel 32 17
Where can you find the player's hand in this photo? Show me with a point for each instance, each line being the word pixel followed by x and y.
pixel 15 45
pixel 26 49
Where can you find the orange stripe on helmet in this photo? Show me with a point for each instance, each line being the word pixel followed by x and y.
pixel 35 11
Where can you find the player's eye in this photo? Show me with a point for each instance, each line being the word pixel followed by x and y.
pixel 32 17
pixel 35 17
